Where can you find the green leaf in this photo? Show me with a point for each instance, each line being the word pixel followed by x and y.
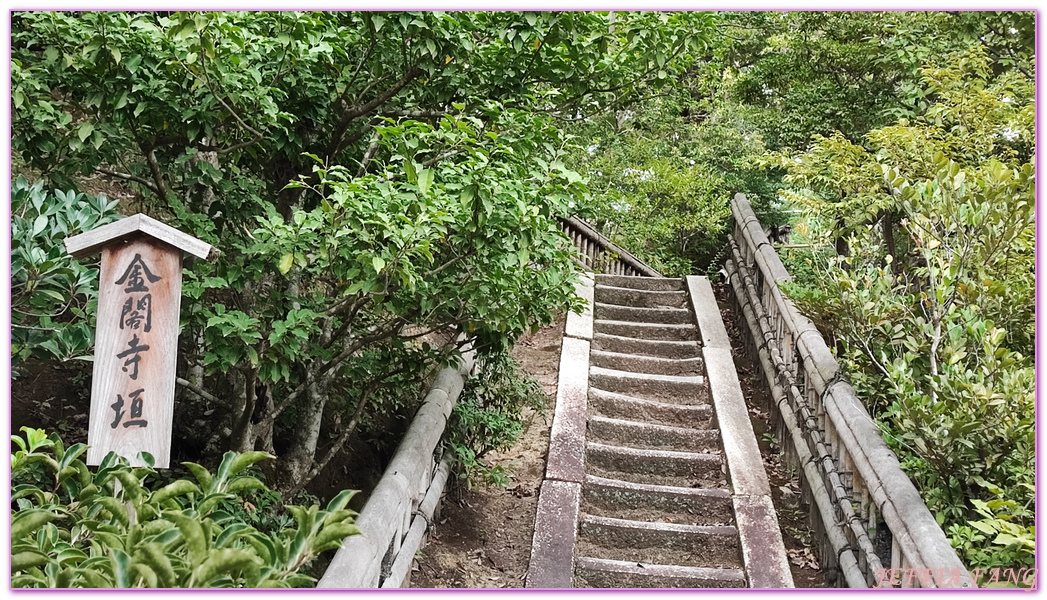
pixel 85 130
pixel 332 537
pixel 115 508
pixel 132 63
pixel 425 179
pixel 120 562
pixel 201 474
pixel 174 489
pixel 285 263
pixel 341 500
pixel 246 459
pixel 227 561
pixel 378 262
pixel 193 534
pixel 39 225
pixel 243 484
pixel 27 522
pixel 412 173
pixel 27 559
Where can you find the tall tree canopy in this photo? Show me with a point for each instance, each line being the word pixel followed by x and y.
pixel 425 169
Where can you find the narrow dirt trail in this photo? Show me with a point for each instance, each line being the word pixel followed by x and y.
pixel 482 538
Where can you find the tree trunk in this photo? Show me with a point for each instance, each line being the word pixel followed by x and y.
pixel 842 248
pixel 888 241
pixel 295 464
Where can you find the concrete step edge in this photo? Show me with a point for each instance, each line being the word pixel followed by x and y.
pixel 719 494
pixel 670 284
pixel 657 570
pixel 704 409
pixel 641 363
pixel 664 293
pixel 643 314
pixel 621 296
pixel 646 377
pixel 669 332
pixel 668 429
pixel 650 348
pixel 682 344
pixel 627 452
pixel 672 326
pixel 677 528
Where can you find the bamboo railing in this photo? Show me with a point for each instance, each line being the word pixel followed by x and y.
pixel 598 253
pixel 395 518
pixel 872 525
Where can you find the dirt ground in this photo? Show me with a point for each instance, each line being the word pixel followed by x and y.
pixel 483 536
pixel 785 485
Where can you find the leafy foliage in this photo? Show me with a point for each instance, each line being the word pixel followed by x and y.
pixel 426 172
pixel 937 326
pixel 489 416
pixel 661 181
pixel 53 296
pixel 809 73
pixel 75 528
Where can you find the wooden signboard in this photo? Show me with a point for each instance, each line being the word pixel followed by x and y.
pixel 136 338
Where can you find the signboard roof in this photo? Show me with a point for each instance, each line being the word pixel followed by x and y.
pixel 92 242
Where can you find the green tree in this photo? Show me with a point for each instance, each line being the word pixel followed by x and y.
pixel 937 327
pixel 425 168
pixel 818 72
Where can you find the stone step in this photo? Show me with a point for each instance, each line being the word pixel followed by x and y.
pixel 647 331
pixel 614 312
pixel 658 467
pixel 637 434
pixel 603 573
pixel 659 543
pixel 654 348
pixel 622 406
pixel 659 503
pixel 687 367
pixel 641 298
pixel 664 388
pixel 655 284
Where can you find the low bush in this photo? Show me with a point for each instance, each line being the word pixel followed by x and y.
pixel 53 296
pixel 489 416
pixel 111 528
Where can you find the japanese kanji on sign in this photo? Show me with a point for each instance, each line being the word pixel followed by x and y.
pixel 136 338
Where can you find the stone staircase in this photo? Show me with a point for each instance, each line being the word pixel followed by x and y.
pixel 666 488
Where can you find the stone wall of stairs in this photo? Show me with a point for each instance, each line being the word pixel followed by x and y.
pixel 654 478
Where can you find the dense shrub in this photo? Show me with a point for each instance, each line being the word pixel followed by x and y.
pixel 112 527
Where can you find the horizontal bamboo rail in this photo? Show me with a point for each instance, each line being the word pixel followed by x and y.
pixel 395 518
pixel 868 516
pixel 601 254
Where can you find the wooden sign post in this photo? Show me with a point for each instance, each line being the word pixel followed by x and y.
pixel 136 338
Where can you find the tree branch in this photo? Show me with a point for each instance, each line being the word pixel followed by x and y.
pixel 127 176
pixel 359 110
pixel 372 149
pixel 257 134
pixel 158 177
pixel 199 391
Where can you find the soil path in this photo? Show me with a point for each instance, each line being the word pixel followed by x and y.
pixel 482 538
